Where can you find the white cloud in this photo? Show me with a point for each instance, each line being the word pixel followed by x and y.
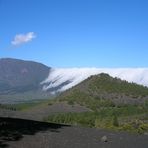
pixel 23 38
pixel 76 75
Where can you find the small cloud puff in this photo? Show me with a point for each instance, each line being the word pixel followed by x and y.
pixel 23 38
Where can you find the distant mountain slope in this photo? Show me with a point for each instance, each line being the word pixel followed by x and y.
pixel 69 77
pixel 105 90
pixel 21 76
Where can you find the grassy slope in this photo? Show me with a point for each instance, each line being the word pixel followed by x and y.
pixel 24 106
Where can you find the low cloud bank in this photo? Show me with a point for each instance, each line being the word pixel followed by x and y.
pixel 76 75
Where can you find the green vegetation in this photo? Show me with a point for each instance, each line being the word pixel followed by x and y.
pixel 8 107
pixel 115 121
pixel 104 91
pixel 23 106
pixel 127 118
pixel 83 99
pixel 104 82
pixel 17 107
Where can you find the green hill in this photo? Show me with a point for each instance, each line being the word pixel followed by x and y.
pixel 104 90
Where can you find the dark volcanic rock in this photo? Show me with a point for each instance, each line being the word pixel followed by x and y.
pixel 104 139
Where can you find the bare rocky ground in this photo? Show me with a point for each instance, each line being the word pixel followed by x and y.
pixel 20 132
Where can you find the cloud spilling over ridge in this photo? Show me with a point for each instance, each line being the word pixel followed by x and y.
pixel 23 38
pixel 76 75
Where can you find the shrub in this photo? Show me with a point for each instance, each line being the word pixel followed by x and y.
pixel 115 121
pixel 70 102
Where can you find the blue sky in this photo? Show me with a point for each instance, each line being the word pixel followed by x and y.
pixel 75 33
